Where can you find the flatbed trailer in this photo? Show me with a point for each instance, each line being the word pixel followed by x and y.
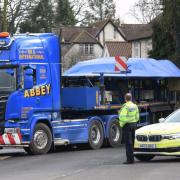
pixel 147 80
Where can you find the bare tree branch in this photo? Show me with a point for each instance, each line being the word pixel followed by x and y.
pixel 79 7
pixel 146 10
pixel 17 10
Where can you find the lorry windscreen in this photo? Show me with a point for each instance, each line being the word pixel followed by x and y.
pixel 7 80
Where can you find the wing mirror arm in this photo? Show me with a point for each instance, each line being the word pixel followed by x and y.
pixel 161 120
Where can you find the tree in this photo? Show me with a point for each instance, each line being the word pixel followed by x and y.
pixel 79 8
pixel 5 23
pixel 12 12
pixel 1 23
pixel 40 19
pixel 64 13
pixel 146 10
pixel 176 7
pixel 166 32
pixel 100 10
pixel 3 15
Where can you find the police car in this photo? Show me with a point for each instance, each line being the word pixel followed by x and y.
pixel 162 138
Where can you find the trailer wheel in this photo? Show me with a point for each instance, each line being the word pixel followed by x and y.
pixel 96 135
pixel 144 157
pixel 42 140
pixel 115 133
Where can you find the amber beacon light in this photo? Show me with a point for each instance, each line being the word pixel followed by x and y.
pixel 4 34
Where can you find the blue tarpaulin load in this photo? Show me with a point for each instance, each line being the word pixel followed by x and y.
pixel 139 67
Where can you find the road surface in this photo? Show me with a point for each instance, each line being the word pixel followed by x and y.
pixel 75 164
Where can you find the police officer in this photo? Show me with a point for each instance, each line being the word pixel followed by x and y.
pixel 128 116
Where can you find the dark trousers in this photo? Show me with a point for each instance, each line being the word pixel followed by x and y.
pixel 129 135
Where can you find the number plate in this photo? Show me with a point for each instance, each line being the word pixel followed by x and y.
pixel 148 146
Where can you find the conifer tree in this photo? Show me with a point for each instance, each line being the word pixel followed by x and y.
pixel 100 10
pixel 64 13
pixel 166 32
pixel 40 19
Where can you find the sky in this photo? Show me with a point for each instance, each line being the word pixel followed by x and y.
pixel 122 9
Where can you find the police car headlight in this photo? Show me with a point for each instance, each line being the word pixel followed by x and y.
pixel 171 136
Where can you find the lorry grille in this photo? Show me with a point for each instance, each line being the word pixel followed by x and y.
pixel 151 138
pixel 3 100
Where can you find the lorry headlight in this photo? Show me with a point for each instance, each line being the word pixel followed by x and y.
pixel 13 120
pixel 171 136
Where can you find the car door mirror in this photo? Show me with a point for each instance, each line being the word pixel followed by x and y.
pixel 161 120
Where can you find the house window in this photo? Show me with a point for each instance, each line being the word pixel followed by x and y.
pixel 137 49
pixel 86 49
pixel 91 49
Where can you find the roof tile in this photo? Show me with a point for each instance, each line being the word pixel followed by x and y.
pixel 69 33
pixel 119 49
pixel 84 37
pixel 137 31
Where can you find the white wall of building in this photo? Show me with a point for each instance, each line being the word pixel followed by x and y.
pixel 74 55
pixel 110 34
pixel 140 48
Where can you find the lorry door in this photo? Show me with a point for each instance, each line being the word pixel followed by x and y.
pixel 39 97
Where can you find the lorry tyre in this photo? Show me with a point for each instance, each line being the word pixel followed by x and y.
pixel 96 135
pixel 144 157
pixel 42 140
pixel 114 133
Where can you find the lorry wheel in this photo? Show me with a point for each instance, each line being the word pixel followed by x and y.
pixel 42 140
pixel 144 157
pixel 96 135
pixel 115 134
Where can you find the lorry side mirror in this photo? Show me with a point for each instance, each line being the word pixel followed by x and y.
pixel 28 79
pixel 161 120
pixel 10 72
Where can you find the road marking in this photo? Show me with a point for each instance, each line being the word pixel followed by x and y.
pixel 4 157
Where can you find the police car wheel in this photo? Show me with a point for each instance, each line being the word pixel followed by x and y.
pixel 144 157
pixel 96 135
pixel 114 133
pixel 41 141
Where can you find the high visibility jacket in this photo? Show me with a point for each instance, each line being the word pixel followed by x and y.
pixel 129 113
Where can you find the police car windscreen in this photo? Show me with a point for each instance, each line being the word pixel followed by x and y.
pixel 174 117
